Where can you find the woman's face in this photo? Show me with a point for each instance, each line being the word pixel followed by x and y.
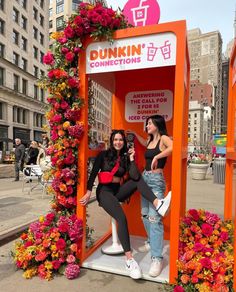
pixel 151 128
pixel 118 142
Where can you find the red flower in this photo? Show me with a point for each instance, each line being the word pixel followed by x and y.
pixel 61 244
pixel 194 214
pixel 69 32
pixel 70 56
pixel 178 289
pixel 50 216
pixel 72 82
pixel 56 264
pixel 207 229
pixel 224 236
pixel 206 263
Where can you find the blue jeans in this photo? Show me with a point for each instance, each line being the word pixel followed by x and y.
pixel 151 219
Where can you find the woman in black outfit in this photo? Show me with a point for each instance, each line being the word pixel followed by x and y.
pixel 110 195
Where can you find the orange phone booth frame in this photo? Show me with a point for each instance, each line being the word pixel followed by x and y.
pixel 163 75
pixel 230 179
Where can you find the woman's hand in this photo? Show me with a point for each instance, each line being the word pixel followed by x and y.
pixel 84 200
pixel 131 153
pixel 154 163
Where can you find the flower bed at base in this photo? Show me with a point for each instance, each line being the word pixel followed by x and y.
pixel 206 260
pixel 52 244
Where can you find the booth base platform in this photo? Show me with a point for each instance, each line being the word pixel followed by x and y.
pixel 116 264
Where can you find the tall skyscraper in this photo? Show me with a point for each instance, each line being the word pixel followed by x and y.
pixel 206 65
pixel 23 42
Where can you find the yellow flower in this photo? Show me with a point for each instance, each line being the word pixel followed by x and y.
pixel 41 219
pixel 29 273
pixel 56 35
pixel 48 265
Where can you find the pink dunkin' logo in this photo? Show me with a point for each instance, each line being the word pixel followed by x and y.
pixel 142 12
pixel 165 50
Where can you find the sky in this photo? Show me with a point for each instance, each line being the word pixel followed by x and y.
pixel 208 15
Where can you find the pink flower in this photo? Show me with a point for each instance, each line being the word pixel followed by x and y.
pixel 178 289
pixel 69 32
pixel 70 259
pixel 62 40
pixel 48 59
pixel 211 218
pixel 72 82
pixel 72 271
pixel 64 50
pixel 70 56
pixel 207 229
pixel 224 236
pixel 206 263
pixel 198 247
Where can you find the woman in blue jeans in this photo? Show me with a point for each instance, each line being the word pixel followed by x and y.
pixel 158 147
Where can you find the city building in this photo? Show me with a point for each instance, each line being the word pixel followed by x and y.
pixel 23 42
pixel 225 91
pixel 205 51
pixel 59 12
pixel 203 93
pixel 199 127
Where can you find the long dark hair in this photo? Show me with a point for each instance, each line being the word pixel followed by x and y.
pixel 112 153
pixel 158 122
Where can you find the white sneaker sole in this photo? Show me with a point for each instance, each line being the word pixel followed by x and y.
pixel 162 210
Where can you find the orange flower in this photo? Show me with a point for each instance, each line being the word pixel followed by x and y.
pixel 184 279
pixel 66 125
pixel 62 187
pixel 61 133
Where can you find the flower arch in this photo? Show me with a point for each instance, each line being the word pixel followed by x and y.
pixel 51 244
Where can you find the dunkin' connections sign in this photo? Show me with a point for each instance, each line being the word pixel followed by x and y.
pixel 149 51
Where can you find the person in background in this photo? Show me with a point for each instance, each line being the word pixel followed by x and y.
pixel 45 142
pixel 41 155
pixel 158 147
pixel 19 158
pixel 33 153
pixel 110 195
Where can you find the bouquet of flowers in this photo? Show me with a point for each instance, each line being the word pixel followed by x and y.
pixel 206 260
pixel 50 246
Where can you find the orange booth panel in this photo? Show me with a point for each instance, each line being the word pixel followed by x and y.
pixel 230 179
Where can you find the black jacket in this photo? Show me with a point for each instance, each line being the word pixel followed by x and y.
pixel 19 153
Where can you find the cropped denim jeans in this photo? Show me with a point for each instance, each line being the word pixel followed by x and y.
pixel 151 219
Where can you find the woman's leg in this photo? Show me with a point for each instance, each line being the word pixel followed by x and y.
pixel 111 205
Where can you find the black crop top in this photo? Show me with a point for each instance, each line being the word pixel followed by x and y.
pixel 149 155
pixel 101 163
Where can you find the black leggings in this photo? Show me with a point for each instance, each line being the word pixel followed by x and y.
pixel 109 198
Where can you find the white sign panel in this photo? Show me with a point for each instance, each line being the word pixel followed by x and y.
pixel 150 51
pixel 141 104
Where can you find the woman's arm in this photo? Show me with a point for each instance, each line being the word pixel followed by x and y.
pixel 168 143
pixel 133 169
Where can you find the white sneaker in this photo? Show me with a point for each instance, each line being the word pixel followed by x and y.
pixel 163 205
pixel 134 269
pixel 144 248
pixel 156 267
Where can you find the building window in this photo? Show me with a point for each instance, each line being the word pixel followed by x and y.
pixel 50 24
pixel 42 73
pixel 36 71
pixel 24 3
pixel 35 51
pixel 195 115
pixel 50 12
pixel 2 50
pixel 35 13
pixel 2 26
pixel 2 70
pixel 24 86
pixel 41 56
pixel 24 44
pixel 60 23
pixel 23 22
pixel 24 64
pixel 16 59
pixel 35 92
pixel 38 120
pixel 15 15
pixel 75 4
pixel 41 20
pixel 35 32
pixel 42 4
pixel 15 37
pixel 19 115
pixel 42 94
pixel 2 4
pixel 59 8
pixel 16 82
pixel 41 39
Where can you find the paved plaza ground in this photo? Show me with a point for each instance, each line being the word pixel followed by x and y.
pixel 18 209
